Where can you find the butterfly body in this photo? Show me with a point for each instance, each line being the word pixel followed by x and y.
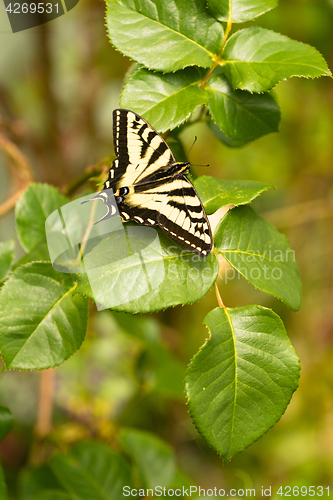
pixel 151 188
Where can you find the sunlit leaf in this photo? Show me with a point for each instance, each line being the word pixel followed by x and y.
pixel 260 253
pixel 217 193
pixel 32 210
pixel 41 323
pixel 240 382
pixel 6 257
pixel 153 457
pixel 242 116
pixel 164 100
pixel 241 10
pixel 256 59
pixel 165 36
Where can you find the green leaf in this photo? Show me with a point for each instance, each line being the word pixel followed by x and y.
pixel 231 143
pixel 217 193
pixel 53 495
pixel 41 323
pixel 261 254
pixel 34 481
pixel 162 372
pixel 3 486
pixel 256 59
pixel 165 36
pixel 32 210
pixel 153 457
pixel 159 273
pixel 241 381
pixel 6 422
pixel 92 471
pixel 6 257
pixel 39 253
pixel 242 116
pixel 241 10
pixel 164 100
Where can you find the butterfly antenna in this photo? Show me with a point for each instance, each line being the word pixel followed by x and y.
pixel 195 140
pixel 193 164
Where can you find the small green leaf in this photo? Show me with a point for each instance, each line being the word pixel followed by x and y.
pixel 3 486
pixel 153 457
pixel 164 100
pixel 92 471
pixel 165 36
pixel 240 382
pixel 256 59
pixel 241 10
pixel 217 193
pixel 159 275
pixel 6 257
pixel 6 422
pixel 260 253
pixel 32 210
pixel 41 323
pixel 242 116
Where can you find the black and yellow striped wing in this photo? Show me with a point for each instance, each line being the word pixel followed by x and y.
pixel 151 188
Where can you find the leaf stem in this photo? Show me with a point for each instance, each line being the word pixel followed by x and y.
pixel 218 296
pixel 88 173
pixel 219 56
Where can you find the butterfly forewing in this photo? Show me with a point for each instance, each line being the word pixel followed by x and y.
pixel 157 189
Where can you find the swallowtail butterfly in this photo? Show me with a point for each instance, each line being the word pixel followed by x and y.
pixel 151 187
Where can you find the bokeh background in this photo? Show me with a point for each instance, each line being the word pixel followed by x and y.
pixel 58 86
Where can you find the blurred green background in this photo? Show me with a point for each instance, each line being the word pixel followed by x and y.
pixel 58 86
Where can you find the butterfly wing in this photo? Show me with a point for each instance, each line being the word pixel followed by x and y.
pixel 142 154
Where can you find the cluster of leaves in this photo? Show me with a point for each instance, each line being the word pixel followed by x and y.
pixel 95 471
pixel 188 59
pixel 240 382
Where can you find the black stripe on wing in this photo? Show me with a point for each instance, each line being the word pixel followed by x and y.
pixel 186 221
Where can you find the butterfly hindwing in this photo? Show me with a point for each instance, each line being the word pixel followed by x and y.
pixel 151 188
pixel 183 217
